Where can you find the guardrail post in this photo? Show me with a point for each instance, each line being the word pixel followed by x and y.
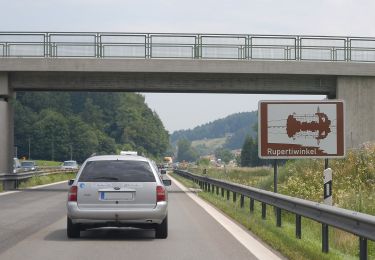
pixel 217 190
pixel 278 217
pixel 228 194
pixel 264 210
pixel 234 197
pixel 298 226
pixel 362 248
pixel 325 243
pixel 222 192
pixel 242 201
pixel 251 205
pixel 209 187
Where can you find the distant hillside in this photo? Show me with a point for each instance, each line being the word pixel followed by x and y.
pixel 234 127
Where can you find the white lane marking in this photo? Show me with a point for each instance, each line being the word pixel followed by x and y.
pixel 35 187
pixel 251 244
pixel 50 184
pixel 8 192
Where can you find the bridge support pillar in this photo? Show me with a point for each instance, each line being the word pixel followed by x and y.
pixel 6 129
pixel 359 96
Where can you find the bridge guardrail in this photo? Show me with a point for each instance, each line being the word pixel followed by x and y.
pixel 186 46
pixel 29 174
pixel 359 224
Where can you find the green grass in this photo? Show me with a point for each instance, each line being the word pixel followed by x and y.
pixel 342 244
pixel 1 187
pixel 41 180
pixel 43 163
pixel 208 145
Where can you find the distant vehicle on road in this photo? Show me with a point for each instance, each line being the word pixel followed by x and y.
pixel 16 165
pixel 115 191
pixel 69 165
pixel 29 166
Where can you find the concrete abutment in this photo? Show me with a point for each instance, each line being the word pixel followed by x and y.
pixel 359 96
pixel 6 127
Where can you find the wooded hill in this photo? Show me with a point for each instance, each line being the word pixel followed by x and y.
pixel 235 127
pixel 54 123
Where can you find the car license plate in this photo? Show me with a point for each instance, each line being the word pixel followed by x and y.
pixel 116 195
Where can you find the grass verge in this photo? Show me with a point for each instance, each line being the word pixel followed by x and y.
pixel 282 239
pixel 43 163
pixel 41 180
pixel 1 187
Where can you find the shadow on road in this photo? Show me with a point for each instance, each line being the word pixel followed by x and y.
pixel 105 234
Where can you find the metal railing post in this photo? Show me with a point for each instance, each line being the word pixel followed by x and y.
pixel 228 195
pixel 264 210
pixel 251 205
pixel 222 192
pixel 148 46
pixel 234 197
pixel 242 201
pixel 278 217
pixel 298 226
pixel 325 242
pixel 363 248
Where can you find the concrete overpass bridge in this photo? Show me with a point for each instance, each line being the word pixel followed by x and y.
pixel 339 67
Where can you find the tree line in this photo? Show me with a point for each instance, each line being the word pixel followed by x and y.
pixel 238 125
pixel 56 125
pixel 248 158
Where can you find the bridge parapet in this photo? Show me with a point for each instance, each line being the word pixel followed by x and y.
pixel 186 46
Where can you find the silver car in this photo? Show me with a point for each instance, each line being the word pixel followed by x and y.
pixel 117 191
pixel 69 165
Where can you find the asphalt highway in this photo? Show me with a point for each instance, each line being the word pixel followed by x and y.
pixel 33 226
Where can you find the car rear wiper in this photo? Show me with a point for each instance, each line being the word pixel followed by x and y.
pixel 105 178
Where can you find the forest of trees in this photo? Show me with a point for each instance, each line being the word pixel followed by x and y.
pixel 55 124
pixel 239 125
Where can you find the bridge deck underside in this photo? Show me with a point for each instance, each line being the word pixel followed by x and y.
pixel 174 82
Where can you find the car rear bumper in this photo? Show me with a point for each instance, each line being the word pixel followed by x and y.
pixel 131 216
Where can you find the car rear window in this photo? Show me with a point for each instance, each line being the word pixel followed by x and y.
pixel 117 171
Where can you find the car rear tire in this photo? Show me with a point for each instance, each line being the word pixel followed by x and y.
pixel 72 230
pixel 162 229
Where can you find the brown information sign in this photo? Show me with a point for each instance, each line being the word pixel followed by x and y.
pixel 300 129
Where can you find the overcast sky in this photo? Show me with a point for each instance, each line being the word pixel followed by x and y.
pixel 181 111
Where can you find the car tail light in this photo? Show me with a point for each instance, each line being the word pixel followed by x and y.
pixel 72 195
pixel 160 193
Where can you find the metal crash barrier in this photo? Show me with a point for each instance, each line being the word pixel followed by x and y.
pixel 356 223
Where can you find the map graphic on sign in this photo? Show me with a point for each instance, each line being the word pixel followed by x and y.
pixel 294 129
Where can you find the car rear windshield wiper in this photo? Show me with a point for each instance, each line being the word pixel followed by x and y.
pixel 104 178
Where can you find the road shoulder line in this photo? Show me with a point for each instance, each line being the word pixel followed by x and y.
pixel 249 242
pixel 32 188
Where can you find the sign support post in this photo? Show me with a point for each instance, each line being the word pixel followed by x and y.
pixel 275 171
pixel 275 177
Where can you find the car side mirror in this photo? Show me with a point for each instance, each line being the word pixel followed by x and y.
pixel 70 182
pixel 163 171
pixel 167 182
